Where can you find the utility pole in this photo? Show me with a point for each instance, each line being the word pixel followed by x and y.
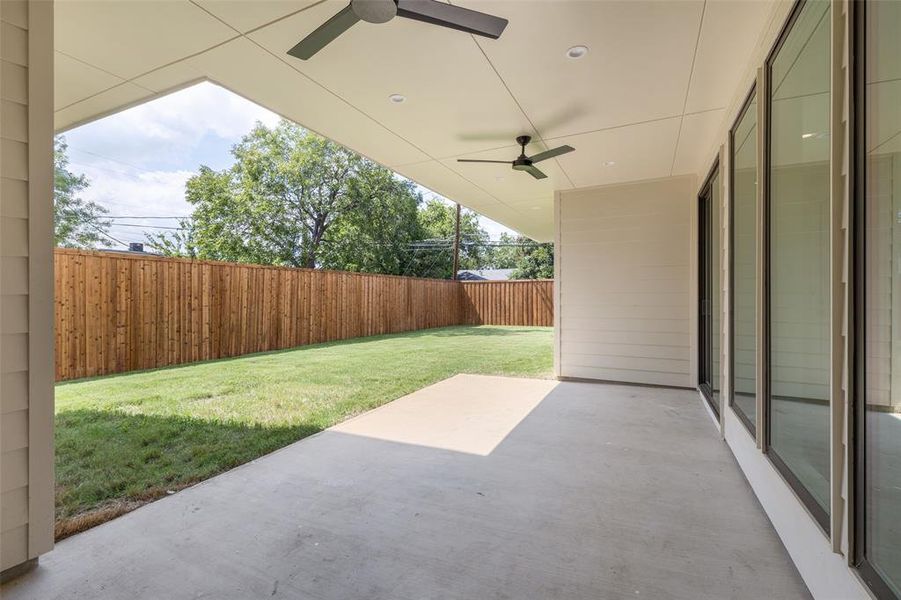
pixel 457 244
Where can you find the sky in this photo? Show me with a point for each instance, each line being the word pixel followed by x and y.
pixel 137 161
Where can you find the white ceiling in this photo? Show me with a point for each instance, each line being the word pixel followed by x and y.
pixel 646 101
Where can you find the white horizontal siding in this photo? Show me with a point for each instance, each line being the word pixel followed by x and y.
pixel 14 508
pixel 655 377
pixel 624 273
pixel 14 545
pixel 14 285
pixel 13 391
pixel 800 284
pixel 883 336
pixel 15 470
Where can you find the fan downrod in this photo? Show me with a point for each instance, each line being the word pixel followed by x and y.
pixel 522 162
pixel 374 11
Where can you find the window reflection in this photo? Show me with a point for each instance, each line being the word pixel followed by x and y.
pixel 883 292
pixel 716 295
pixel 799 266
pixel 744 264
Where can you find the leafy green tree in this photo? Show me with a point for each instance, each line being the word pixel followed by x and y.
pixel 535 261
pixel 295 198
pixel 76 223
pixel 179 243
pixel 377 238
pixel 528 258
pixel 505 254
pixel 433 255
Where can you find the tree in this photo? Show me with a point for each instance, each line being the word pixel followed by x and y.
pixel 180 243
pixel 76 223
pixel 433 256
pixel 377 238
pixel 294 198
pixel 528 258
pixel 505 254
pixel 535 261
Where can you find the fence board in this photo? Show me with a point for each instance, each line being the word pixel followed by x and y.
pixel 117 312
pixel 527 302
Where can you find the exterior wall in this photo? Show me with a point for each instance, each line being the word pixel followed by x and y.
pixel 624 272
pixel 26 284
pixel 821 559
pixel 825 572
pixel 591 236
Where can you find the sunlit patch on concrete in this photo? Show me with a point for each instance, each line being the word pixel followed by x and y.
pixel 466 413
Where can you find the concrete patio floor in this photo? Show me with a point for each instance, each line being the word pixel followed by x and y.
pixel 474 488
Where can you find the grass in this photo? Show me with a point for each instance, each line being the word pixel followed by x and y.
pixel 127 439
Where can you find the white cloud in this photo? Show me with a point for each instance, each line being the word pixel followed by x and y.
pixel 180 130
pixel 188 114
pixel 141 194
pixel 138 160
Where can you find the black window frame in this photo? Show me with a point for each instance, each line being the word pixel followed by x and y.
pixel 751 428
pixel 857 299
pixel 819 514
pixel 704 351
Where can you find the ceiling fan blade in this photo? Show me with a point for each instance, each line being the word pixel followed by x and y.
pixel 325 34
pixel 473 160
pixel 551 153
pixel 535 172
pixel 454 17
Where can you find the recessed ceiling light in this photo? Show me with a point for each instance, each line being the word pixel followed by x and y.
pixel 609 163
pixel 397 98
pixel 577 52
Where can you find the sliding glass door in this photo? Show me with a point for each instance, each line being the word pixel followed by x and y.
pixel 878 220
pixel 799 267
pixel 709 289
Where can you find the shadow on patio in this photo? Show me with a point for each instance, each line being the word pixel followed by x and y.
pixel 517 489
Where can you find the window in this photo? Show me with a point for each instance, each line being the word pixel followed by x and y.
pixel 743 147
pixel 799 284
pixel 878 286
pixel 710 290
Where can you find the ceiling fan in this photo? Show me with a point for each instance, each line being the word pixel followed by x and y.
pixel 523 162
pixel 382 11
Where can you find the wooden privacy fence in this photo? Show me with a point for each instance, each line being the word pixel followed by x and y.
pixel 524 302
pixel 117 312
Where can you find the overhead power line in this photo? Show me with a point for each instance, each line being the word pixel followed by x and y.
pixel 139 225
pixel 107 235
pixel 110 158
pixel 142 217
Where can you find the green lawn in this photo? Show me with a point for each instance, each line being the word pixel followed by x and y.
pixel 125 439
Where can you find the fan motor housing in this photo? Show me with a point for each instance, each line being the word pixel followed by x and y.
pixel 374 11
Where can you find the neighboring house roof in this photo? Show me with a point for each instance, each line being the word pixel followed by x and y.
pixel 121 251
pixel 484 274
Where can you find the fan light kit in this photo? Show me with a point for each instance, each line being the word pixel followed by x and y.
pixel 577 52
pixel 382 11
pixel 523 162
